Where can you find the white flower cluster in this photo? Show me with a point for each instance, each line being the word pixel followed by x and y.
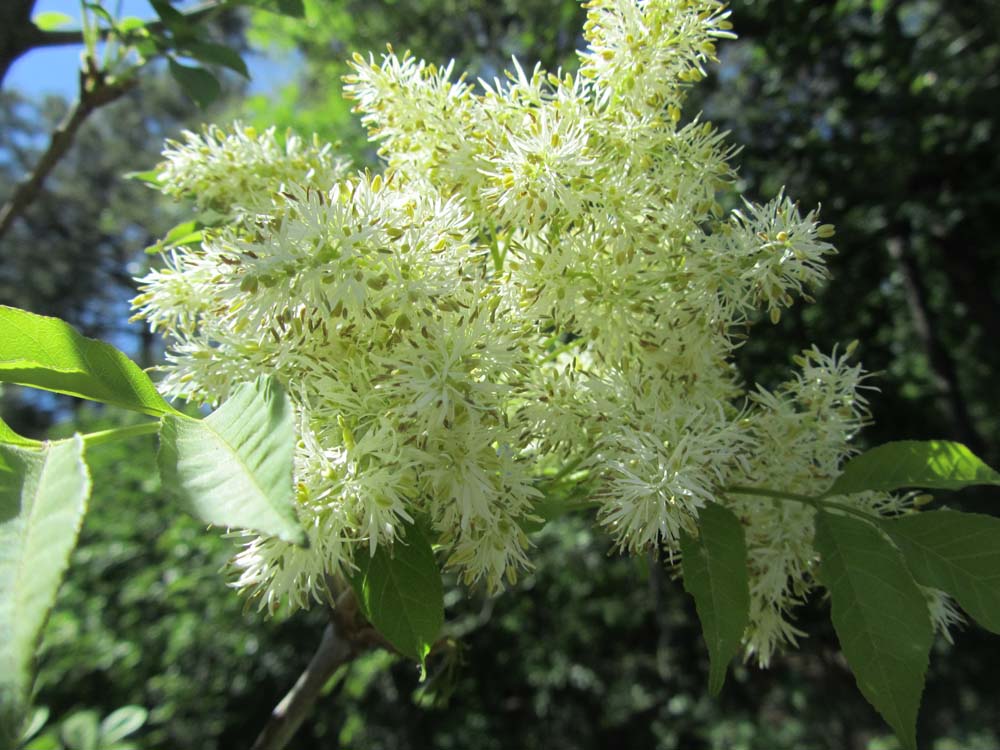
pixel 541 278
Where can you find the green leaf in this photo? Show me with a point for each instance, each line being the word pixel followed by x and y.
pixel 880 616
pixel 399 590
pixel 217 54
pixel 46 741
pixel 150 177
pixel 292 8
pixel 932 464
pixel 186 233
pixel 201 86
pixel 167 12
pixel 958 553
pixel 47 353
pixel 130 24
pixel 42 502
pixel 51 20
pixel 101 12
pixel 234 468
pixel 9 437
pixel 39 716
pixel 715 574
pixel 179 232
pixel 80 732
pixel 555 503
pixel 121 723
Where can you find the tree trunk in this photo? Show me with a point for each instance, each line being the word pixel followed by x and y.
pixel 17 32
pixel 939 358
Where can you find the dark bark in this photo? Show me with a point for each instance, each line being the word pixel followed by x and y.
pixel 346 637
pixel 289 714
pixel 16 32
pixel 95 92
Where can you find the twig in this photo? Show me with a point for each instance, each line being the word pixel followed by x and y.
pixel 95 92
pixel 347 636
pixel 20 35
pixel 289 714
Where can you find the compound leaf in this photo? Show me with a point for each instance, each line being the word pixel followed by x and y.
pixel 234 468
pixel 958 553
pixel 47 353
pixel 931 464
pixel 400 592
pixel 715 574
pixel 880 616
pixel 43 496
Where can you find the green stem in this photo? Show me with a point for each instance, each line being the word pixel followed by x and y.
pixel 119 433
pixel 815 502
pixel 565 470
pixel 495 253
pixel 554 354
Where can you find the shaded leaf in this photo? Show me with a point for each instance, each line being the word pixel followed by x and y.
pixel 958 553
pixel 201 86
pixel 234 468
pixel 9 437
pixel 554 503
pixel 715 574
pixel 167 12
pixel 400 592
pixel 217 54
pixel 42 502
pixel 931 464
pixel 880 616
pixel 292 8
pixel 47 353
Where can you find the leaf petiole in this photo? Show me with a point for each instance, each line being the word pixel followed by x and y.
pixel 119 433
pixel 816 502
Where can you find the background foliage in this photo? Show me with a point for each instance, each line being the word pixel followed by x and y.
pixel 885 112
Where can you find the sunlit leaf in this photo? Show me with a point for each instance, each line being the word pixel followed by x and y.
pixel 42 502
pixel 101 12
pixel 931 464
pixel 122 722
pixel 51 20
pixel 47 353
pixel 234 468
pixel 880 616
pixel 80 731
pixel 715 574
pixel 130 23
pixel 150 177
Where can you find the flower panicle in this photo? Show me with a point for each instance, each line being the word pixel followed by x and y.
pixel 541 276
